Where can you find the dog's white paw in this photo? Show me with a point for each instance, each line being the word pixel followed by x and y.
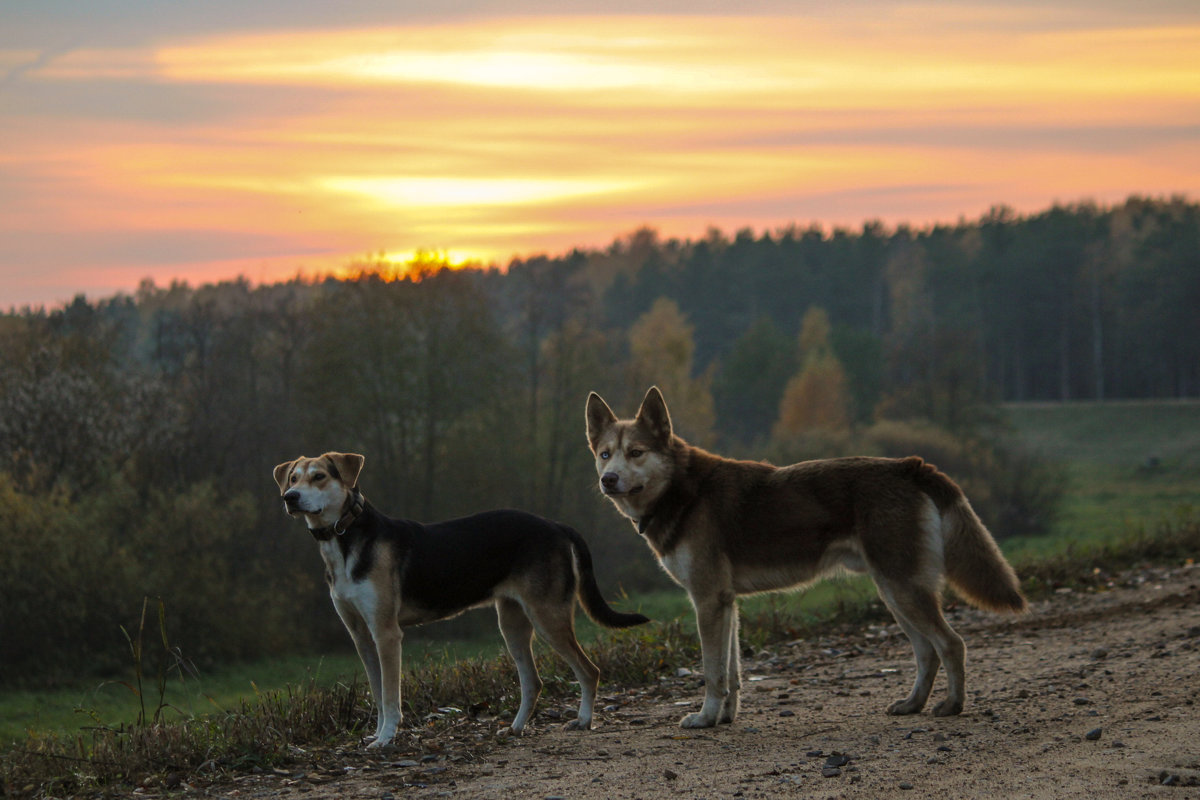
pixel 697 720
pixel 906 706
pixel 578 725
pixel 380 743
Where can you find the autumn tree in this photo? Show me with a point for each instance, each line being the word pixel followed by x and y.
pixel 661 348
pixel 818 396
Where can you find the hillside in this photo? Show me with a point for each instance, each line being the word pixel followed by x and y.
pixel 1130 465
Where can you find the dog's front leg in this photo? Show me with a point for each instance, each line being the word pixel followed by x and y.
pixel 715 617
pixel 364 644
pixel 388 641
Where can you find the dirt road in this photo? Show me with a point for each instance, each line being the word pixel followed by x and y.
pixel 1092 695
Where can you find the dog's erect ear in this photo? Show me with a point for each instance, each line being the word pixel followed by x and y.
pixel 653 416
pixel 348 466
pixel 599 417
pixel 282 472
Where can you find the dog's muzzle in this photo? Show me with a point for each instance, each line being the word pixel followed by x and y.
pixel 610 483
pixel 291 503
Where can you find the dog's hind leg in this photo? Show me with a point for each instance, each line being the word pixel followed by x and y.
pixel 556 625
pixel 518 638
pixel 716 618
pixel 917 610
pixel 729 710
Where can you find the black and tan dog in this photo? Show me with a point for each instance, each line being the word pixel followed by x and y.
pixel 385 574
pixel 723 528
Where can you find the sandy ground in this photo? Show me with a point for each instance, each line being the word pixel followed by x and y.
pixel 1092 695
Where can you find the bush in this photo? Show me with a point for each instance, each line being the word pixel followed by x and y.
pixel 77 573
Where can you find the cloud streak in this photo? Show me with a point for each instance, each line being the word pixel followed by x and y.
pixel 493 136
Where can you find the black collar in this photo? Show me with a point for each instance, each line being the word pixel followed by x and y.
pixel 350 511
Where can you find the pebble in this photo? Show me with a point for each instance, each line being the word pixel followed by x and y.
pixel 905 785
pixel 1093 734
pixel 670 774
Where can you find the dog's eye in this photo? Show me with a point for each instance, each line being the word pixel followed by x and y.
pixel 293 478
pixel 318 476
pixel 635 453
pixel 605 455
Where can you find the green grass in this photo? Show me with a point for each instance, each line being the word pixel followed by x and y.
pixel 115 702
pixel 1130 466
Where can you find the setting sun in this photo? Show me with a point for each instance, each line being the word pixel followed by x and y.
pixel 272 148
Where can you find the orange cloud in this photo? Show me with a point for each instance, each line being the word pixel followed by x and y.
pixel 494 137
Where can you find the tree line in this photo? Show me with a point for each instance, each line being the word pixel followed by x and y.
pixel 138 432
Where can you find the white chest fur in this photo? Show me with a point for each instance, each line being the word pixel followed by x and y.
pixel 678 564
pixel 343 588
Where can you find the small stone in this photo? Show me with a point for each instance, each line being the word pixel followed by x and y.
pixel 1093 734
pixel 830 772
pixel 1099 653
pixel 837 760
pixel 787 712
pixel 670 775
pixel 905 785
pixel 1082 701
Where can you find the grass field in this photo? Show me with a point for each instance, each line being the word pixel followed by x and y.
pixel 114 702
pixel 1129 465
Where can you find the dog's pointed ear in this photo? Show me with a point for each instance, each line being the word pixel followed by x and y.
pixel 599 417
pixel 282 472
pixel 348 466
pixel 653 416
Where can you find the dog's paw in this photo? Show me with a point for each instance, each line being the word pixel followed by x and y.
pixel 578 725
pixel 697 720
pixel 510 730
pixel 380 743
pixel 906 706
pixel 948 708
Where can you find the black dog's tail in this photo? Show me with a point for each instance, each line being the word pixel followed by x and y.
pixel 589 593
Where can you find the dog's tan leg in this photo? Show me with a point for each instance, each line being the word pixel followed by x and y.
pixel 388 641
pixel 917 610
pixel 556 625
pixel 360 634
pixel 518 637
pixel 715 614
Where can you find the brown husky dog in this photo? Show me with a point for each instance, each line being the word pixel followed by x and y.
pixel 723 528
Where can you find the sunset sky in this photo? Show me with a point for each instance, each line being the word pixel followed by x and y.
pixel 207 140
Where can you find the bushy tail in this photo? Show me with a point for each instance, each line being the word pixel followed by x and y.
pixel 589 593
pixel 975 567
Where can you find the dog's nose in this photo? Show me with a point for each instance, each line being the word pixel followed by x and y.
pixel 609 480
pixel 291 497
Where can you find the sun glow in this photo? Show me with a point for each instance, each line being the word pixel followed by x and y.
pixel 483 138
